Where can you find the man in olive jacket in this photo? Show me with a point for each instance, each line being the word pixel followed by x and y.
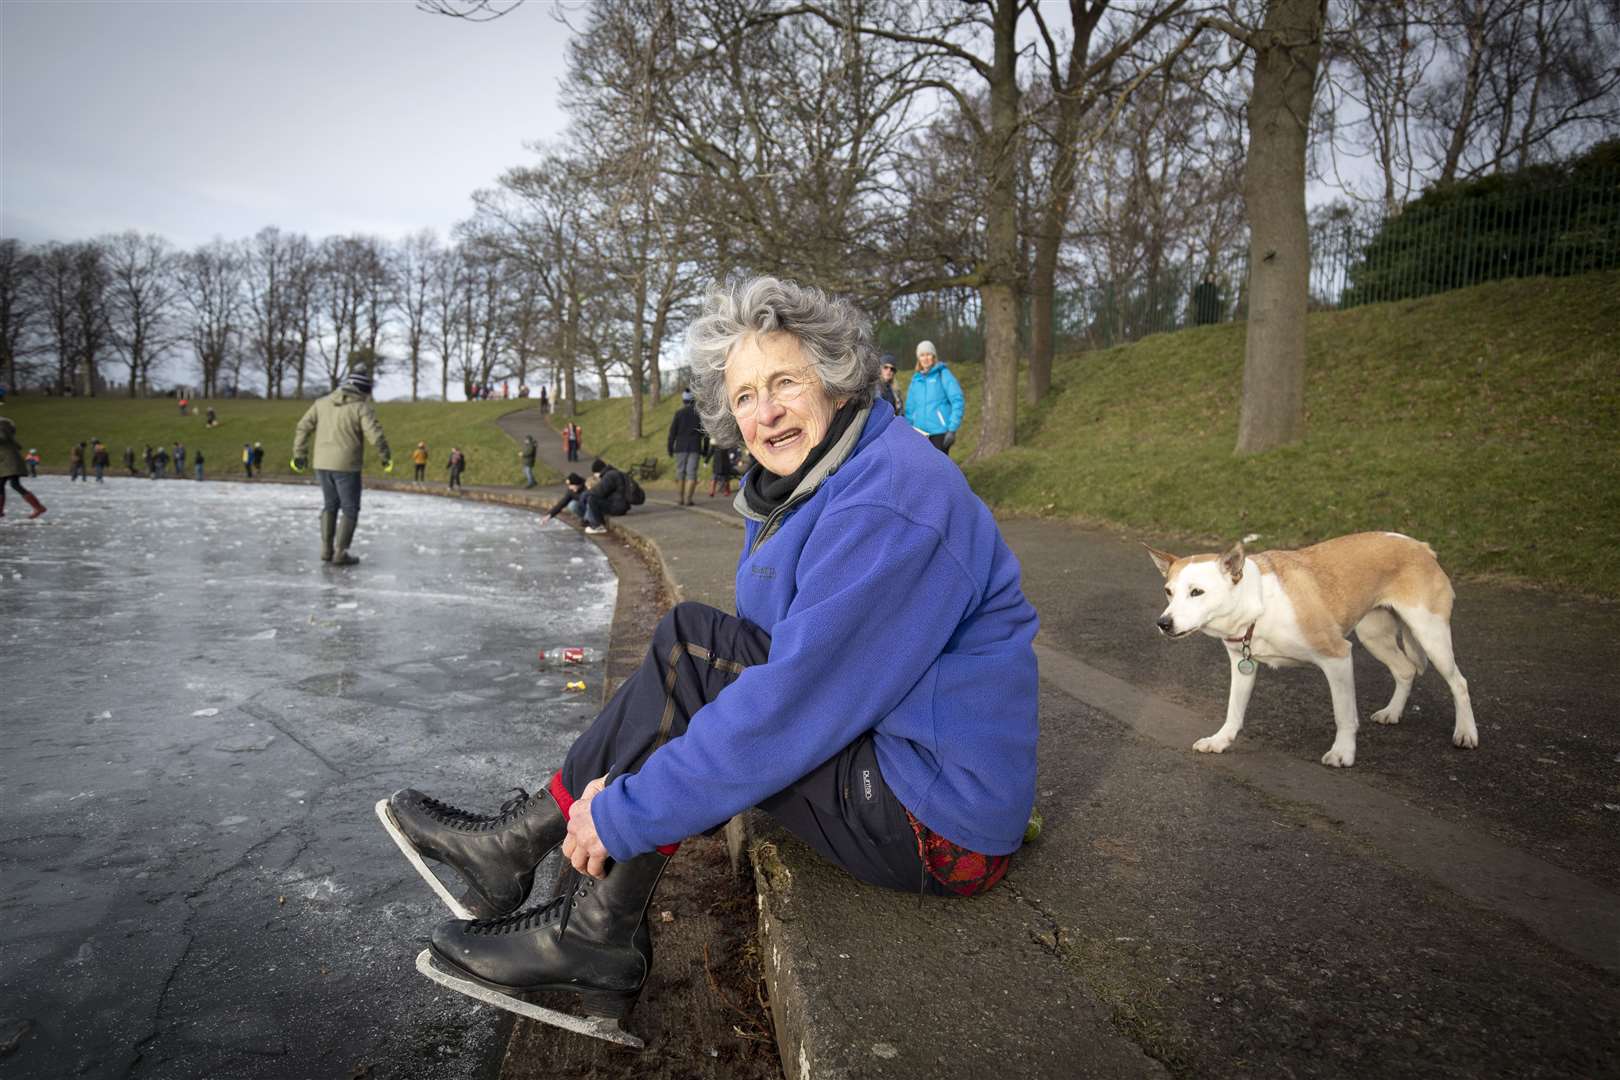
pixel 343 422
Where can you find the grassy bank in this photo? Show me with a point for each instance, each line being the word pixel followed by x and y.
pixel 55 424
pixel 1484 421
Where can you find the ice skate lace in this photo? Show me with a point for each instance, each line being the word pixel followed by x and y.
pixel 458 818
pixel 556 910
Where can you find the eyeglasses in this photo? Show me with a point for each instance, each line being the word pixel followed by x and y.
pixel 783 389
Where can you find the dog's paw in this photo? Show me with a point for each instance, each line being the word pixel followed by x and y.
pixel 1386 715
pixel 1339 757
pixel 1467 738
pixel 1212 744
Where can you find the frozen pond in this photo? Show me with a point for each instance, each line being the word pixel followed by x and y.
pixel 196 717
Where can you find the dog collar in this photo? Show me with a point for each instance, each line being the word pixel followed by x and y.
pixel 1246 664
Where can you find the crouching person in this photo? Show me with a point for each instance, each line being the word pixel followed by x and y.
pixel 342 423
pixel 573 498
pixel 911 767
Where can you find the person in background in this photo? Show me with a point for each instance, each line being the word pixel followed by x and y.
pixel 342 423
pixel 184 402
pixel 213 421
pixel 723 469
pixel 934 401
pixel 608 496
pixel 545 401
pixel 258 458
pixel 419 458
pixel 99 459
pixel 197 460
pixel 526 456
pixel 685 445
pixel 1206 302
pixel 571 434
pixel 11 469
pixel 151 463
pixel 886 388
pixel 247 459
pixel 32 461
pixel 129 459
pixel 76 463
pixel 573 498
pixel 160 459
pixel 179 459
pixel 457 463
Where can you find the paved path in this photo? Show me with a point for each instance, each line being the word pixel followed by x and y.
pixel 1430 912
pixel 197 719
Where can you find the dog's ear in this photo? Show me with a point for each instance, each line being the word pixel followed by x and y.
pixel 1161 559
pixel 1232 562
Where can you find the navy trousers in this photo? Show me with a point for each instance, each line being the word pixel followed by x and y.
pixel 842 808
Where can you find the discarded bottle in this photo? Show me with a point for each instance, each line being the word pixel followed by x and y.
pixel 578 684
pixel 567 657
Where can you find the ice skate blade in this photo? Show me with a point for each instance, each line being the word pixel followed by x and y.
pixel 457 908
pixel 597 1027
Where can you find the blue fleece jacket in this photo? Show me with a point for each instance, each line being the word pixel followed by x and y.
pixel 934 401
pixel 893 606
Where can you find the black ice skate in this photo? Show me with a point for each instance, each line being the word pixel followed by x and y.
pixel 591 941
pixel 494 854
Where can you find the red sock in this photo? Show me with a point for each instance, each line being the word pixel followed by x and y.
pixel 565 802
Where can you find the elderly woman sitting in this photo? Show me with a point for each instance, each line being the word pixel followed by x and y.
pixel 910 765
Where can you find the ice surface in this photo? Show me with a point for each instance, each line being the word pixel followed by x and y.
pixel 209 832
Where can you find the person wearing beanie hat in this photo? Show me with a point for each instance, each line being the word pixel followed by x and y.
pixel 685 445
pixel 886 388
pixel 572 499
pixel 934 401
pixel 342 423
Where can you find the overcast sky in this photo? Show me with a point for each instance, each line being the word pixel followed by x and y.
pixel 217 118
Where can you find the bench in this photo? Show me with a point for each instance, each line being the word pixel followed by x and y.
pixel 646 469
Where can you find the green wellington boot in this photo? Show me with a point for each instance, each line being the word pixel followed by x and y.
pixel 345 535
pixel 328 530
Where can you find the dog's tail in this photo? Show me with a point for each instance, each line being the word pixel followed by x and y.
pixel 1409 645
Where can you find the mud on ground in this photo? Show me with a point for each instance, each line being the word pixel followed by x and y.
pixel 704 1013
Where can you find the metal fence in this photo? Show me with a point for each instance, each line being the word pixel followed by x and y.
pixel 1511 226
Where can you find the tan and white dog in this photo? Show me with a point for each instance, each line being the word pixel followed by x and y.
pixel 1285 608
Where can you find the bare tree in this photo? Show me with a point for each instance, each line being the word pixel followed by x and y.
pixel 19 310
pixel 447 281
pixel 1078 85
pixel 269 277
pixel 1531 79
pixel 210 288
pixel 140 301
pixel 414 271
pixel 1287 47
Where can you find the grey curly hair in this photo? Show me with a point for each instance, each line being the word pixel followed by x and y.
pixel 835 336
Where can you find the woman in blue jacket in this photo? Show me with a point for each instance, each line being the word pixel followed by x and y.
pixel 911 766
pixel 934 399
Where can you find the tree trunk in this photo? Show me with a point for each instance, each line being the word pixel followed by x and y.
pixel 999 291
pixel 1043 305
pixel 1287 49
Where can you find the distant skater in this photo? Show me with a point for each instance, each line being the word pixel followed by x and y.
pixel 419 458
pixel 11 469
pixel 342 423
pixel 99 459
pixel 76 463
pixel 129 459
pixel 32 461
